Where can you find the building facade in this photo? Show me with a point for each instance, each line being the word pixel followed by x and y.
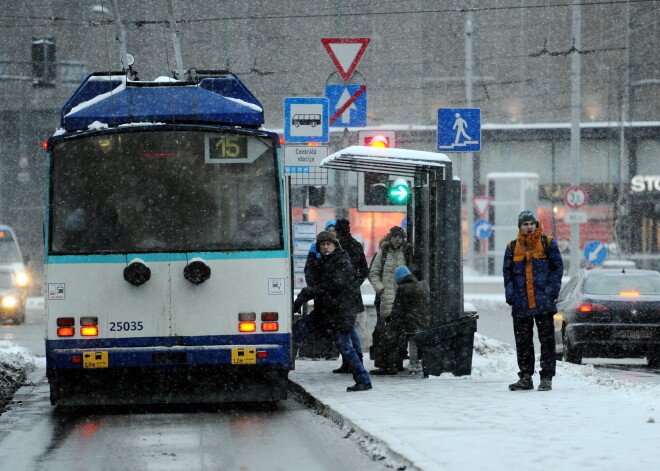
pixel 510 58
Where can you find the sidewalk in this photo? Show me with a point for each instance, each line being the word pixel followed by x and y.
pixel 589 421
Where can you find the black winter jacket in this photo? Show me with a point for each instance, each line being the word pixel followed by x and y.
pixel 411 309
pixel 358 261
pixel 334 292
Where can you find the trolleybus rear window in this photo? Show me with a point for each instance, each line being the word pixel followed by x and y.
pixel 164 191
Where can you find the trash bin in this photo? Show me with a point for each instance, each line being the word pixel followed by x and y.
pixel 448 348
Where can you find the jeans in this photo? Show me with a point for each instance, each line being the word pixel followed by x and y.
pixel 306 327
pixel 523 328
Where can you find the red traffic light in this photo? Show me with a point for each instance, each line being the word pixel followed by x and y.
pixel 377 141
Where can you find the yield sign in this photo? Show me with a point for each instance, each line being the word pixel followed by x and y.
pixel 481 204
pixel 345 53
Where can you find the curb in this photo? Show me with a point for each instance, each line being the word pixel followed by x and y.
pixel 379 450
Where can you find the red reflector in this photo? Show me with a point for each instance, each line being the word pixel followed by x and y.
pixel 247 327
pixel 269 316
pixel 65 331
pixel 76 359
pixel 269 326
pixel 65 321
pixel 262 354
pixel 89 330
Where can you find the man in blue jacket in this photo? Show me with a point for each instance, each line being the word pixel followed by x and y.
pixel 532 271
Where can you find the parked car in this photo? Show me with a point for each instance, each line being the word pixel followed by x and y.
pixel 13 298
pixel 610 313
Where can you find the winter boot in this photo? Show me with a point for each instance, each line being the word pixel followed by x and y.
pixel 344 368
pixel 525 383
pixel 383 371
pixel 546 384
pixel 359 387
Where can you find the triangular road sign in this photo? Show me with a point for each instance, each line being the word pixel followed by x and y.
pixel 345 53
pixel 481 204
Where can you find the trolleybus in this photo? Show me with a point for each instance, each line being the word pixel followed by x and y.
pixel 167 261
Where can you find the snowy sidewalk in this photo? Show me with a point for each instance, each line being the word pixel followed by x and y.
pixel 590 421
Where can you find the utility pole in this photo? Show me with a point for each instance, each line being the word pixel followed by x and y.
pixel 470 182
pixel 575 130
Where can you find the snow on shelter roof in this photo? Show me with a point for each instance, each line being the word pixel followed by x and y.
pixel 393 161
pixel 216 98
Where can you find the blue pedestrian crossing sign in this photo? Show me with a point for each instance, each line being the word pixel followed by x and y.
pixel 459 129
pixel 595 252
pixel 483 229
pixel 306 120
pixel 348 105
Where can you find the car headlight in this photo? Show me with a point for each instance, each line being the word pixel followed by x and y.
pixel 9 301
pixel 22 279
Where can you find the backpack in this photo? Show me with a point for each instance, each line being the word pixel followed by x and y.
pixel 544 241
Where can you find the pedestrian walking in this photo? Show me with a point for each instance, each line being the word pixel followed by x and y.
pixel 410 313
pixel 359 262
pixel 335 308
pixel 532 271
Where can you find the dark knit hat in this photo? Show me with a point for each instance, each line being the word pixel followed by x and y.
pixel 327 236
pixel 343 226
pixel 397 231
pixel 525 216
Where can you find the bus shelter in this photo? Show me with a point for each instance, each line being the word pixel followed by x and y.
pixel 434 229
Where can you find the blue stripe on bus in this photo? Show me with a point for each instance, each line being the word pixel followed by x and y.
pixel 137 355
pixel 165 257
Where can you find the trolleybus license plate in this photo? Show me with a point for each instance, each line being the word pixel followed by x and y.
pixel 243 356
pixel 95 359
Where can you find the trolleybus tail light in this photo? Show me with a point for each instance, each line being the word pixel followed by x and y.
pixel 262 354
pixel 89 326
pixel 247 316
pixel 89 331
pixel 65 326
pixel 247 326
pixel 76 360
pixel 269 316
pixel 269 326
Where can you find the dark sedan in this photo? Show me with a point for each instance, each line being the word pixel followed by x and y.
pixel 610 313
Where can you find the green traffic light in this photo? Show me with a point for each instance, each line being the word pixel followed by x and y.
pixel 399 193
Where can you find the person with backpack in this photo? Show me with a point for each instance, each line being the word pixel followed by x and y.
pixel 532 271
pixel 359 262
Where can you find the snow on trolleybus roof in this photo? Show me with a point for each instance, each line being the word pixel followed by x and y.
pixel 213 97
